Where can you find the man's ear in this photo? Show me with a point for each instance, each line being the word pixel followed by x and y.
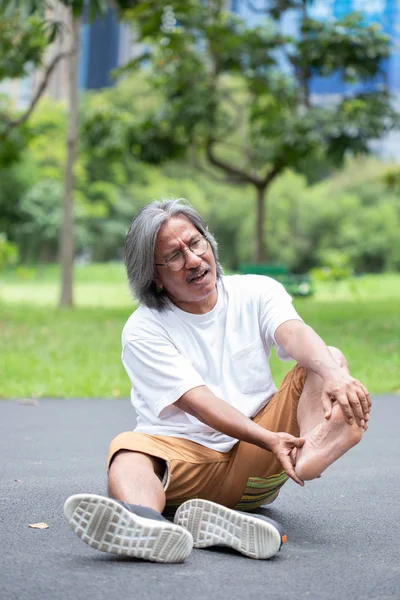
pixel 158 283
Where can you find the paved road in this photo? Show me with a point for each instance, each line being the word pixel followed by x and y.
pixel 343 530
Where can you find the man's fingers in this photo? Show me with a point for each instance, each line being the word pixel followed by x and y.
pixel 368 397
pixel 295 478
pixel 364 403
pixel 357 408
pixel 291 472
pixel 327 405
pixel 299 442
pixel 346 408
pixel 352 397
pixel 364 393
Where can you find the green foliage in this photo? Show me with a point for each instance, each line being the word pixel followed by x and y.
pixel 27 29
pixel 22 44
pixel 16 180
pixel 214 95
pixel 329 46
pixel 199 45
pixel 352 214
pixel 240 95
pixel 391 178
pixel 350 217
pixel 8 252
pixel 23 41
pixel 41 215
pixel 105 135
pixel 335 266
pixel 13 141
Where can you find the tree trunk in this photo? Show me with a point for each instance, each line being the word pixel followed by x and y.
pixel 67 228
pixel 260 250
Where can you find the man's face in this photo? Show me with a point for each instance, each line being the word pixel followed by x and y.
pixel 193 288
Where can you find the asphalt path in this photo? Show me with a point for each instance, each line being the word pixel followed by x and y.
pixel 343 529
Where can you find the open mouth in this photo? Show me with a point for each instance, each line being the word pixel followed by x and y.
pixel 199 276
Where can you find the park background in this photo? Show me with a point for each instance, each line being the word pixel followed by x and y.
pixel 277 120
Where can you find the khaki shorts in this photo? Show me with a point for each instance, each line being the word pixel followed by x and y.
pixel 244 478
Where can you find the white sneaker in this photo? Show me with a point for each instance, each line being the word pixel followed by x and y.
pixel 211 524
pixel 108 525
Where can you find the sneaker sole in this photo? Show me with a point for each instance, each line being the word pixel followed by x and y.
pixel 105 525
pixel 214 525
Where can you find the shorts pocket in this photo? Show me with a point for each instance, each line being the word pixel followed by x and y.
pixel 251 368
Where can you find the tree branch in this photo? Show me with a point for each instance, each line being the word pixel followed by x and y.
pixel 199 167
pixel 270 176
pixel 11 123
pixel 235 173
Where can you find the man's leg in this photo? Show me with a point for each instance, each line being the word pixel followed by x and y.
pixel 135 478
pixel 129 522
pixel 326 440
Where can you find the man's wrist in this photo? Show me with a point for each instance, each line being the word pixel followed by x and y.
pixel 325 370
pixel 266 439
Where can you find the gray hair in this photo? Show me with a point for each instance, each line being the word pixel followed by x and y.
pixel 141 242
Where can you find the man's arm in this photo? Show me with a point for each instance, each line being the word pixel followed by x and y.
pixel 203 404
pixel 304 345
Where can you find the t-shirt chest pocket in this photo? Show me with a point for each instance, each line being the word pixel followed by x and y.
pixel 251 368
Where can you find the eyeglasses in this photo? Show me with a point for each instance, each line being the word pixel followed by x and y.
pixel 198 246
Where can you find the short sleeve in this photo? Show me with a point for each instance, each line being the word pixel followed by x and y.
pixel 159 373
pixel 275 308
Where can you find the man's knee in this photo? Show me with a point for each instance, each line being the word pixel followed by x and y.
pixel 338 356
pixel 135 462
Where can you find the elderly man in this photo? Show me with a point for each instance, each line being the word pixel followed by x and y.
pixel 214 439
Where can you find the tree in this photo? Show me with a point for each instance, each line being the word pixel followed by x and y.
pixel 40 14
pixel 25 36
pixel 67 228
pixel 32 189
pixel 241 98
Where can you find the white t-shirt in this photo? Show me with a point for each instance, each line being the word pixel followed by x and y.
pixel 167 353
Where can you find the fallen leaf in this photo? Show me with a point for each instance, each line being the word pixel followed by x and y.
pixel 38 525
pixel 115 393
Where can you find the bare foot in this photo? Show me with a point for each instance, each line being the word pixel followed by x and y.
pixel 329 440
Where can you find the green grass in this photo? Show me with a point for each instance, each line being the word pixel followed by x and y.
pixel 46 351
pixel 368 333
pixel 105 285
pixel 102 285
pixel 61 353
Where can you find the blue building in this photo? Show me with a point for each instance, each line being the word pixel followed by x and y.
pixel 100 43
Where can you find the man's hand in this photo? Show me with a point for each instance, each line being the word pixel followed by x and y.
pixel 202 403
pixel 352 397
pixel 310 351
pixel 282 445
